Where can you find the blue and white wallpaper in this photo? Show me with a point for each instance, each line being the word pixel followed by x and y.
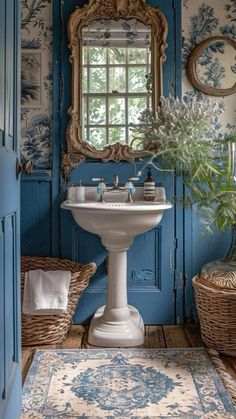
pixel 201 20
pixel 36 82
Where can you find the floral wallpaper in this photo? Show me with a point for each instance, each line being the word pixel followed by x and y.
pixel 36 82
pixel 201 20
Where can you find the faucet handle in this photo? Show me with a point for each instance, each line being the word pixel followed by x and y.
pixel 130 188
pixel 101 188
pixel 97 179
pixel 129 184
pixel 133 179
pixel 101 184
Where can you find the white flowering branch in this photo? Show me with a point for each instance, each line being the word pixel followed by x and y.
pixel 182 136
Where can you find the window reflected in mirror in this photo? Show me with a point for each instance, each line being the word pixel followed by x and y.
pixel 116 84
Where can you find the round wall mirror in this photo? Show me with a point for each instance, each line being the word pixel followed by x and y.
pixel 211 67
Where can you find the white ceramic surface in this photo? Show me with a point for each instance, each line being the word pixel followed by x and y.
pixel 117 223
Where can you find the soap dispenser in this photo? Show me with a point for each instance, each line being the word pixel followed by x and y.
pixel 149 190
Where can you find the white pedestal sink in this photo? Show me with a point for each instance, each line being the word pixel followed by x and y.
pixel 117 223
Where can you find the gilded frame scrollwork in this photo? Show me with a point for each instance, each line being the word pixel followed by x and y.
pixel 77 149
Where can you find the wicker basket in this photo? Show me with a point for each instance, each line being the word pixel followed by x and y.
pixel 50 329
pixel 216 307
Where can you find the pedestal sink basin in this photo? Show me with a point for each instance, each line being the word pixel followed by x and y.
pixel 117 223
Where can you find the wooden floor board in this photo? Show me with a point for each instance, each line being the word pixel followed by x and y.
pixel 26 360
pixel 230 363
pixel 193 334
pixel 85 344
pixel 176 337
pixel 74 337
pixel 154 337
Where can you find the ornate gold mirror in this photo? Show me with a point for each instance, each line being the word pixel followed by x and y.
pixel 211 67
pixel 117 53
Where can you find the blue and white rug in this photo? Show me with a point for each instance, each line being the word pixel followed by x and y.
pixel 112 383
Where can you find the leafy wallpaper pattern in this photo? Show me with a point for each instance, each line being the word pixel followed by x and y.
pixel 36 82
pixel 200 20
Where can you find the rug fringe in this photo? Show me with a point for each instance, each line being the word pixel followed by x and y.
pixel 227 379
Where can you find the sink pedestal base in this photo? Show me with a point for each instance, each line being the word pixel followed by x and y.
pixel 117 324
pixel 124 333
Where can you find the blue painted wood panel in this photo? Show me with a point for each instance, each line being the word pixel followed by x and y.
pixel 2 73
pixel 151 257
pixel 9 75
pixel 199 249
pixel 2 305
pixel 10 369
pixel 36 207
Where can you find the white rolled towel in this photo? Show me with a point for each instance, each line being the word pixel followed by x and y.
pixel 46 292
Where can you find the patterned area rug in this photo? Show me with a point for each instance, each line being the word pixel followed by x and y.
pixel 112 383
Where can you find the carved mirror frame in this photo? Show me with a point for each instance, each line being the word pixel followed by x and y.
pixel 77 149
pixel 191 68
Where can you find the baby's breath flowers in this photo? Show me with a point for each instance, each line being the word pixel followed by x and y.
pixel 180 133
pixel 182 136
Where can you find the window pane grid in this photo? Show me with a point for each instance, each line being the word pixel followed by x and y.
pixel 114 65
pixel 112 126
pixel 126 99
pixel 107 100
pixel 115 130
pixel 114 95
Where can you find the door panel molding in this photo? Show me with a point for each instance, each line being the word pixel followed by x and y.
pixel 10 368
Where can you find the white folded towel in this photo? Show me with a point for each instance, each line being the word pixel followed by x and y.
pixel 46 292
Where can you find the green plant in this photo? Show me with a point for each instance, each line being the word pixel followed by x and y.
pixel 215 193
pixel 181 136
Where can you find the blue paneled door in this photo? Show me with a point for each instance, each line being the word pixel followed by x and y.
pixel 10 371
pixel 152 257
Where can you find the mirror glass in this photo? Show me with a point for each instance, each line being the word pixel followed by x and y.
pixel 116 79
pixel 216 65
pixel 117 51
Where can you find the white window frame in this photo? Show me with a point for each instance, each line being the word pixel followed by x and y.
pixel 107 95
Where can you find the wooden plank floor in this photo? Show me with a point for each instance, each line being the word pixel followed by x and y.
pixel 183 336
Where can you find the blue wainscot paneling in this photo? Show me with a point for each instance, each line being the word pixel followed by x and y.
pixel 150 257
pixel 10 345
pixel 36 215
pixel 200 248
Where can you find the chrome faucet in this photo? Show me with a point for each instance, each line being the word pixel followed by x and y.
pixel 116 182
pixel 102 188
pixel 115 186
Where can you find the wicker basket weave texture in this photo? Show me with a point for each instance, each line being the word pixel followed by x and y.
pixel 216 309
pixel 50 329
